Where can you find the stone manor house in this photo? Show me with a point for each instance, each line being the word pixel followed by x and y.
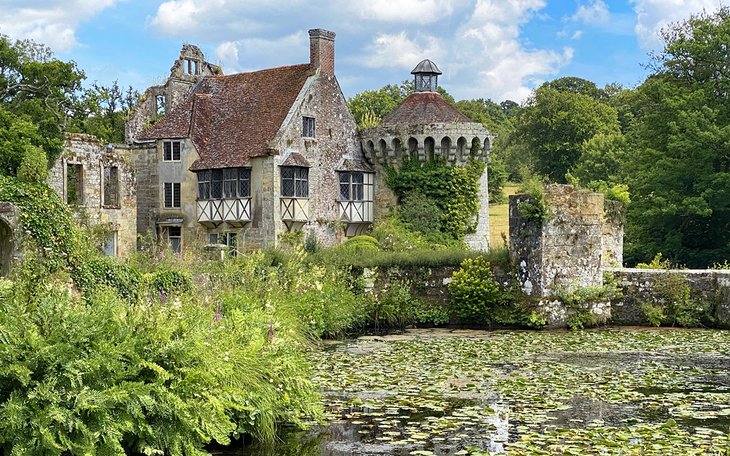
pixel 242 159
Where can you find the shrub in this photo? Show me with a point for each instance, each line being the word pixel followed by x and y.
pixel 393 308
pixel 653 313
pixel 361 244
pixel 100 271
pixel 170 282
pixel 475 295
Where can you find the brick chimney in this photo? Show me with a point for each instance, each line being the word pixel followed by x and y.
pixel 322 50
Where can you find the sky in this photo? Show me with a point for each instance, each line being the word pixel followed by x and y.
pixel 497 49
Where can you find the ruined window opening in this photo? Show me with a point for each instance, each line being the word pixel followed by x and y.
pixel 160 105
pixel 191 66
pixel 172 195
pixel 110 244
pixel 295 181
pixel 111 186
pixel 171 151
pixel 308 127
pixel 74 184
pixel 174 238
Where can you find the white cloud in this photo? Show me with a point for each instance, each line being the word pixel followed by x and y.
pixel 402 51
pixel 654 15
pixel 51 22
pixel 483 57
pixel 256 53
pixel 577 35
pixel 596 12
pixel 404 11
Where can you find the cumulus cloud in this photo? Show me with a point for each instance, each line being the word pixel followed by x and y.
pixel 404 11
pixel 400 50
pixel 654 15
pixel 595 12
pixel 255 53
pixel 51 22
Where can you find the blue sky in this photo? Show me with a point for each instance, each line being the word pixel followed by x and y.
pixel 498 49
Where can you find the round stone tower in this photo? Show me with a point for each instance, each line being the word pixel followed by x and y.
pixel 426 126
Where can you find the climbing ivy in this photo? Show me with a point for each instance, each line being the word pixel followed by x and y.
pixel 454 190
pixel 45 218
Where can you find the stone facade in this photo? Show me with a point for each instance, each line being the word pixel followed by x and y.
pixel 157 100
pixel 566 250
pixel 10 237
pixel 391 142
pixel 327 148
pixel 99 181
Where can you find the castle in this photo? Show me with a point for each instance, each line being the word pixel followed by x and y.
pixel 243 159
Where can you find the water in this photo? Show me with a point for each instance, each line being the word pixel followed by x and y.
pixel 471 392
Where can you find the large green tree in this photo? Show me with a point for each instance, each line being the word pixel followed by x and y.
pixel 558 119
pixel 35 89
pixel 680 165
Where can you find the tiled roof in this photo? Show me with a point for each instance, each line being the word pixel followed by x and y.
pixel 233 118
pixel 424 108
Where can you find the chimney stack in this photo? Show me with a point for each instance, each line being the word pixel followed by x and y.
pixel 322 51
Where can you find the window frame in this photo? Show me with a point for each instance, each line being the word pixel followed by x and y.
pixel 175 199
pixel 110 181
pixel 175 247
pixel 168 151
pixel 299 182
pixel 350 189
pixel 233 183
pixel 309 127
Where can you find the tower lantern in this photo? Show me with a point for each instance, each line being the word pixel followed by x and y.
pixel 426 76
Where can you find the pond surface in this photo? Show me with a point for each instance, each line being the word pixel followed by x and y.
pixel 444 392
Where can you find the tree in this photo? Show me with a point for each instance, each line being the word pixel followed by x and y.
pixel 35 88
pixel 103 111
pixel 378 102
pixel 555 124
pixel 680 164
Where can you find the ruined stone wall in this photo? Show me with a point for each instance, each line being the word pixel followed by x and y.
pixel 175 90
pixel 148 191
pixel 11 237
pixel 565 250
pixel 639 286
pixel 614 218
pixel 335 139
pixel 93 157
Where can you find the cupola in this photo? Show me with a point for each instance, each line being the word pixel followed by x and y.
pixel 426 76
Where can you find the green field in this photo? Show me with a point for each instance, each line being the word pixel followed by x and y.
pixel 499 218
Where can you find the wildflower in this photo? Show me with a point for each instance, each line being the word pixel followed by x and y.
pixel 163 297
pixel 218 314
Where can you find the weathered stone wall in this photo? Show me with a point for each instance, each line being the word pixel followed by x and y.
pixel 565 250
pixel 389 146
pixel 614 218
pixel 10 237
pixel 93 157
pixel 335 139
pixel 429 284
pixel 639 286
pixel 174 91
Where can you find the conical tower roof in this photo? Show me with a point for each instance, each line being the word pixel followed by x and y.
pixel 424 108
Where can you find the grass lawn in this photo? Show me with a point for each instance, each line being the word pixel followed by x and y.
pixel 499 218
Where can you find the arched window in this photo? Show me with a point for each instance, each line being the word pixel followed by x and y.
pixel 445 147
pixel 429 146
pixel 461 148
pixel 413 148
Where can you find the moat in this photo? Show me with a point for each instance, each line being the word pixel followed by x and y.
pixel 444 392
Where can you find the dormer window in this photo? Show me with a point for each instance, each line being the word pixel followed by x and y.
pixel 308 127
pixel 171 150
pixel 426 76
